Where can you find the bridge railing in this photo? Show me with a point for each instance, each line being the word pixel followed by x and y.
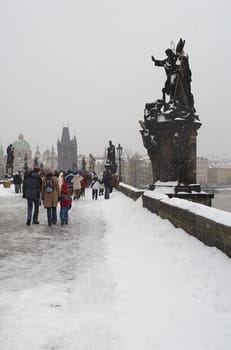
pixel 209 225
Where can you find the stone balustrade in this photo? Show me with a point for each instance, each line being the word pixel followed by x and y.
pixel 209 225
pixel 130 191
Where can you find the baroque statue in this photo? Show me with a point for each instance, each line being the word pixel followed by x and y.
pixel 170 123
pixel 10 159
pixel 111 158
pixel 178 82
pixel 111 153
pixel 10 155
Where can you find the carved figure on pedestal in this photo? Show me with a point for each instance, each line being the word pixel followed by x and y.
pixel 10 155
pixel 170 123
pixel 111 158
pixel 169 65
pixel 178 83
pixel 10 159
pixel 111 153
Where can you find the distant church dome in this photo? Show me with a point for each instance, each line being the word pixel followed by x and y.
pixel 22 154
pixel 21 144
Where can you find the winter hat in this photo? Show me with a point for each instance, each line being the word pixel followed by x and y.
pixel 36 170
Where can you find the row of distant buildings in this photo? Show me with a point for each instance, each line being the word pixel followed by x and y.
pixel 65 158
pixel 135 169
pixel 213 172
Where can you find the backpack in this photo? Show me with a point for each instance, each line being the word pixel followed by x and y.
pixel 49 185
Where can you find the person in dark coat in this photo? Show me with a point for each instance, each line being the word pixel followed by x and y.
pixel 107 181
pixel 31 191
pixel 17 178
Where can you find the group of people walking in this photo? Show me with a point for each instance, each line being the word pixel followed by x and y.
pixel 103 185
pixel 45 187
pixel 52 188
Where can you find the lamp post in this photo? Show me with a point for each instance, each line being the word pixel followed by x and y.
pixel 26 162
pixel 119 154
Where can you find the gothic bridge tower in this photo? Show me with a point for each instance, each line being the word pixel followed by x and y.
pixel 67 151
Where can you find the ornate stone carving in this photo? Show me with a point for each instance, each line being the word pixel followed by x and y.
pixel 170 126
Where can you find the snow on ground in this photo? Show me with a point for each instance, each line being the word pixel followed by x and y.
pixel 116 278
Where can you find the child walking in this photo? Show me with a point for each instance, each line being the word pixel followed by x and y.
pixel 65 203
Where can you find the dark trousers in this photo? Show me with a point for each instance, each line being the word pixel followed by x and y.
pixel 51 215
pixel 107 192
pixel 17 188
pixel 101 190
pixel 94 193
pixel 30 204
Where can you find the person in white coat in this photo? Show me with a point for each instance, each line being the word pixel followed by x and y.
pixel 61 179
pixel 77 185
pixel 95 185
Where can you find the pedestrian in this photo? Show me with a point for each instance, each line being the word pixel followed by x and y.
pixel 83 185
pixel 17 179
pixel 21 179
pixel 115 181
pixel 68 177
pixel 76 181
pixel 50 196
pixel 101 186
pixel 61 178
pixel 65 203
pixel 107 181
pixel 95 184
pixel 31 191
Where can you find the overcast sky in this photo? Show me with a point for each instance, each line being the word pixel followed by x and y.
pixel 86 64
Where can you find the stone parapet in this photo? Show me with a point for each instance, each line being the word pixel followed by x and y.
pixel 201 197
pixel 130 191
pixel 202 223
pixel 196 219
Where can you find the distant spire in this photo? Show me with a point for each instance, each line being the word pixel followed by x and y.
pixel 65 135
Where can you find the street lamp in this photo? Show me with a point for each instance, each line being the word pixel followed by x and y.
pixel 119 150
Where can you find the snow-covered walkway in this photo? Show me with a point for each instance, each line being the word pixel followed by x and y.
pixel 116 278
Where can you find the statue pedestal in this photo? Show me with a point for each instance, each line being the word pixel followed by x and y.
pixel 112 167
pixel 176 149
pixel 6 184
pixel 191 192
pixel 173 158
pixel 200 197
pixel 189 188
